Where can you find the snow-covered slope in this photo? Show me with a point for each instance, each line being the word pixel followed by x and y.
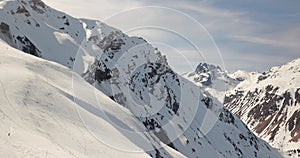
pixel 39 117
pixel 35 28
pixel 134 74
pixel 215 80
pixel 270 104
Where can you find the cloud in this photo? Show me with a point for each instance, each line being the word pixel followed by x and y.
pixel 92 9
pixel 287 39
pixel 244 33
pixel 259 40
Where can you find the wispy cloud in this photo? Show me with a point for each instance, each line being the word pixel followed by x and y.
pixel 286 40
pixel 245 33
pixel 260 40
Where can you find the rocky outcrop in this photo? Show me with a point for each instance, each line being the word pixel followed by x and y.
pixel 270 106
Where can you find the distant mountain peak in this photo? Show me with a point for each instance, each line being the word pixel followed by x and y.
pixel 205 67
pixel 213 79
pixel 268 102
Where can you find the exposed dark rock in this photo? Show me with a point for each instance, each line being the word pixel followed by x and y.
pixel 28 46
pixel 5 32
pixel 38 6
pixel 23 10
pixel 101 75
pixel 239 152
pixel 4 28
pixel 67 22
pixel 263 77
pixel 226 117
pixel 297 97
pixel 294 126
pixel 111 42
pixel 208 102
pixel 231 97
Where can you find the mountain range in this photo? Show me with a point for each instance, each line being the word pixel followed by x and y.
pixel 267 102
pixel 120 99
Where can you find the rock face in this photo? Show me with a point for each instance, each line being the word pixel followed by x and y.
pixel 269 104
pixel 134 74
pixel 214 80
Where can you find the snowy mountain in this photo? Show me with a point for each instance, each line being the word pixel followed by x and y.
pixel 39 117
pixel 267 102
pixel 170 109
pixel 215 80
pixel 270 104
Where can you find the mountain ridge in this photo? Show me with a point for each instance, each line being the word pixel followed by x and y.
pixel 275 94
pixel 267 102
pixel 39 117
pixel 134 74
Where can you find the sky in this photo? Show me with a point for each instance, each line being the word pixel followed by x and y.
pixel 246 35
